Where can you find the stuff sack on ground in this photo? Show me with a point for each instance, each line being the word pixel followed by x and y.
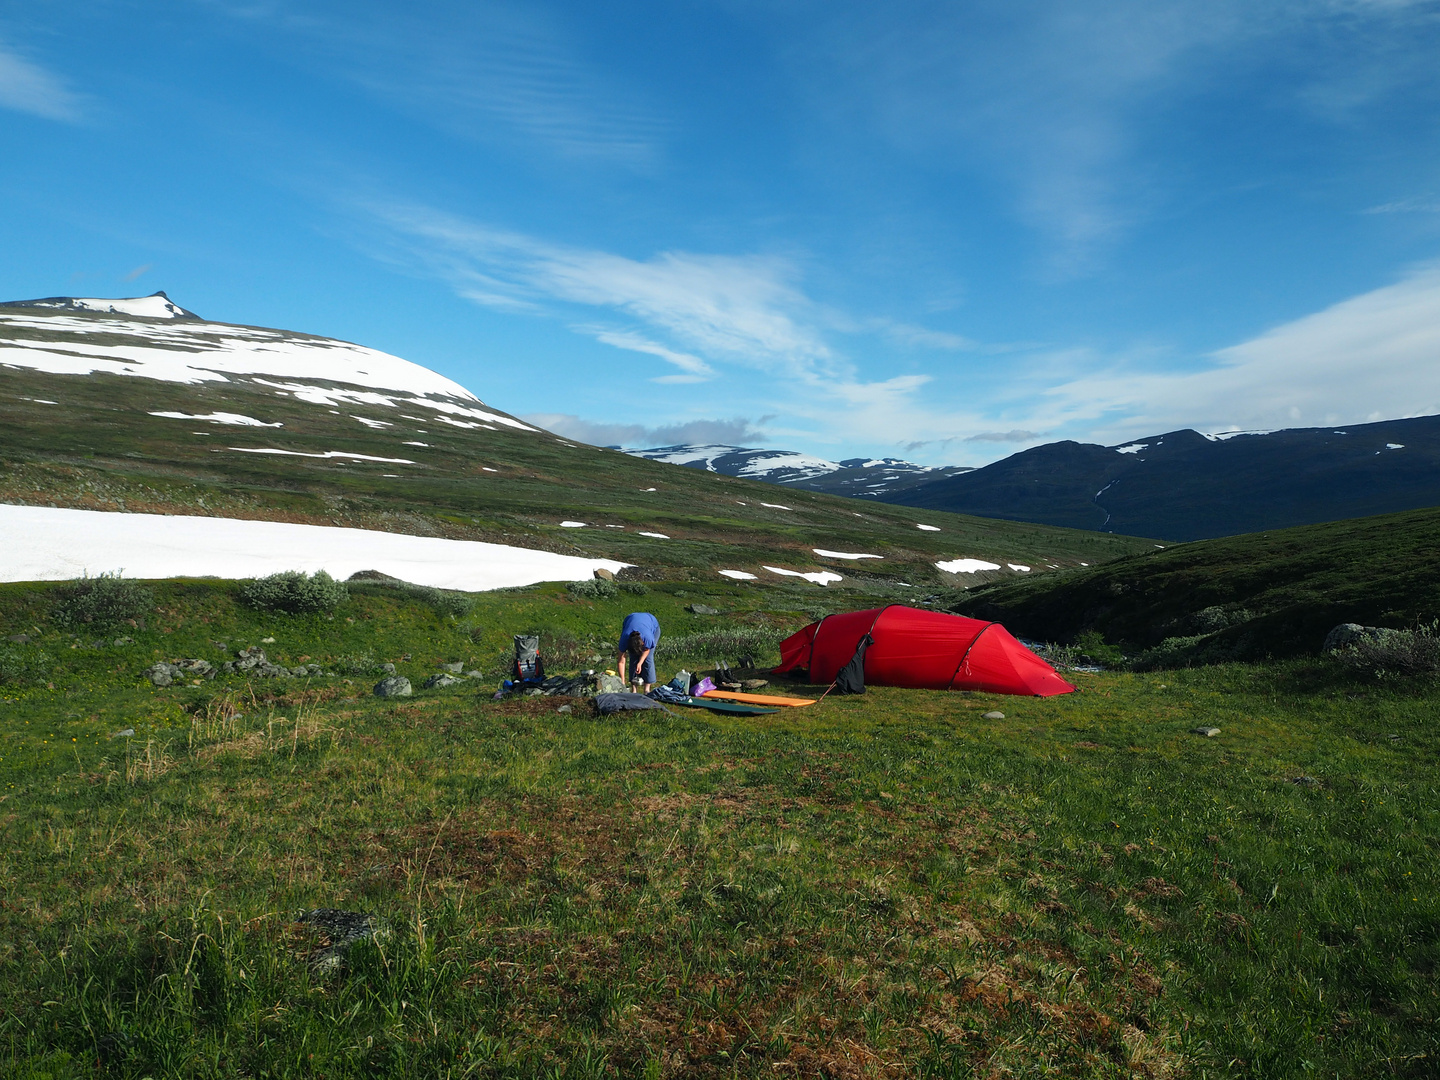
pixel 921 650
pixel 851 677
pixel 606 704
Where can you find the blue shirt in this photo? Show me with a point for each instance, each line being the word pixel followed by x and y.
pixel 643 623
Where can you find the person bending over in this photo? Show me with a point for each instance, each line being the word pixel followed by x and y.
pixel 639 637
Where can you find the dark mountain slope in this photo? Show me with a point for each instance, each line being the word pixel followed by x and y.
pixel 1264 594
pixel 1186 486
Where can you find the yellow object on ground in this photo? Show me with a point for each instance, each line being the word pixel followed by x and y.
pixel 759 699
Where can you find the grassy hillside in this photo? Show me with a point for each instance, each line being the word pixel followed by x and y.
pixel 892 885
pixel 1264 594
pixel 98 446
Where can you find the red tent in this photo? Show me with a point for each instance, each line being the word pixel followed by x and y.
pixel 924 650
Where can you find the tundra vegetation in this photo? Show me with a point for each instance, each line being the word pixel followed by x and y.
pixel 892 885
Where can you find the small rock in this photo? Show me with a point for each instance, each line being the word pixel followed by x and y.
pixel 19 639
pixel 603 574
pixel 702 609
pixel 121 641
pixel 563 708
pixel 1208 732
pixel 267 641
pixel 300 672
pixel 474 674
pixel 127 733
pixel 1305 781
pixel 160 675
pixel 389 669
pixel 394 686
pixel 442 680
pixel 455 669
pixel 755 684
pixel 995 714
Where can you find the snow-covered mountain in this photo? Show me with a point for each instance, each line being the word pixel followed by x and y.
pixel 860 477
pixel 155 306
pixel 151 337
pixel 1185 485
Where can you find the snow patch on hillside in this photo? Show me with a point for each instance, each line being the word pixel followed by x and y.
pixel 967 566
pixel 193 351
pixel 237 419
pixel 40 543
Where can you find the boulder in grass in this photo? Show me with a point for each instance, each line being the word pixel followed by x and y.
pixel 393 686
pixel 604 575
pixel 455 669
pixel 701 609
pixel 1349 633
pixel 440 681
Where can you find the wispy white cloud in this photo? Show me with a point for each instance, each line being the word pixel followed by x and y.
pixel 1371 357
pixel 497 71
pixel 1058 100
pixel 737 432
pixel 27 87
pixel 692 368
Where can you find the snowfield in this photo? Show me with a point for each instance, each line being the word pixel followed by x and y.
pixel 39 543
pixel 189 350
pixel 967 566
pixel 843 554
pixel 236 419
pixel 822 577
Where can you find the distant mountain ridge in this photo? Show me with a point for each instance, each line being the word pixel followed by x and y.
pixel 870 478
pixel 155 306
pixel 1183 485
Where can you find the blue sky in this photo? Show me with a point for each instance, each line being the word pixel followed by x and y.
pixel 945 231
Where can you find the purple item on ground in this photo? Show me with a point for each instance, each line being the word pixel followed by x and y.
pixel 703 687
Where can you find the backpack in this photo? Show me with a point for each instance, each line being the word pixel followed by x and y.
pixel 528 666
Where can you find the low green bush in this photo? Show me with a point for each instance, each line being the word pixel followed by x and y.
pixel 1092 647
pixel 100 603
pixel 707 646
pixel 1409 653
pixel 19 665
pixel 295 592
pixel 594 589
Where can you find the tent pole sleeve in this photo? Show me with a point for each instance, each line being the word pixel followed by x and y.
pixel 810 661
pixel 966 655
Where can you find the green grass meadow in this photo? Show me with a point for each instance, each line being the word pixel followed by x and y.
pixel 881 886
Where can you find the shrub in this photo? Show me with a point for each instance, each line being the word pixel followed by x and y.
pixel 100 603
pixel 723 644
pixel 1091 646
pixel 638 588
pixel 19 665
pixel 1413 653
pixel 594 589
pixel 295 592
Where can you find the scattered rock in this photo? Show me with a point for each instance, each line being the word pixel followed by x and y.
pixel 1349 633
pixel 603 574
pixel 440 681
pixel 164 673
pixel 122 641
pixel 394 686
pixel 389 669
pixel 455 668
pixel 755 684
pixel 267 641
pixel 1305 781
pixel 701 609
pixel 1208 732
pixel 340 930
pixel 563 708
pixel 127 733
pixel 19 639
pixel 994 714
pixel 474 674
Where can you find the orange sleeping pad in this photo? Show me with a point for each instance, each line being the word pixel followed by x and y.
pixel 758 699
